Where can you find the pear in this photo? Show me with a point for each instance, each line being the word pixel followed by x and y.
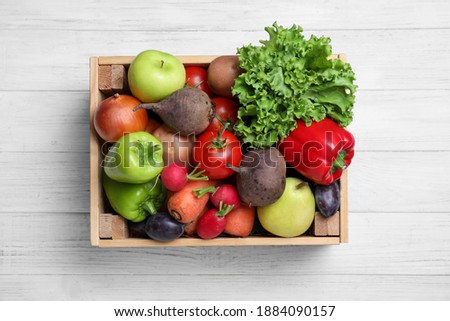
pixel 293 213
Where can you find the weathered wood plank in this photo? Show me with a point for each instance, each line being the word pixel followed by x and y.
pixel 384 120
pixel 380 243
pixel 125 287
pixel 382 59
pixel 201 15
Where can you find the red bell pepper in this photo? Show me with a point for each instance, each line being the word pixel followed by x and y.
pixel 320 151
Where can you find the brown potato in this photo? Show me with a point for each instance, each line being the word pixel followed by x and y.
pixel 176 148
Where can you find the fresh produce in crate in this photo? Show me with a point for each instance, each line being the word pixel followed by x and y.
pixel 327 198
pixel 261 176
pixel 153 75
pixel 213 222
pixel 215 151
pixel 290 78
pixel 225 193
pixel 135 158
pixel 198 77
pixel 184 205
pixel 240 221
pixel 226 114
pixel 134 201
pixel 163 227
pixel 293 213
pixel 175 176
pixel 176 148
pixel 222 73
pixel 186 111
pixel 320 151
pixel 284 102
pixel 114 117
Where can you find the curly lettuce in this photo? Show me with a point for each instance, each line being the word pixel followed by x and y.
pixel 288 78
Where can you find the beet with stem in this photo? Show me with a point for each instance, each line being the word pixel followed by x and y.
pixel 187 111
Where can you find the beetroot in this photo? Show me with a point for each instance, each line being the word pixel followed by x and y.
pixel 187 111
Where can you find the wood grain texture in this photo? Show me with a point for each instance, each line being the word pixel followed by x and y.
pixel 64 55
pixel 59 244
pixel 201 15
pixel 399 219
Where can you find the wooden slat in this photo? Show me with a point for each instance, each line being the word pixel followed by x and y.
pixel 62 240
pixel 343 217
pixel 201 16
pixel 95 156
pixel 395 69
pixel 131 287
pixel 319 226
pixel 112 79
pixel 105 226
pixel 222 241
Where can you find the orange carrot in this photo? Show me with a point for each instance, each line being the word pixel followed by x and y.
pixel 240 221
pixel 185 206
pixel 191 228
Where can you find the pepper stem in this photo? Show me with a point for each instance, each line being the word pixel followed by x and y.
pixel 199 192
pixel 339 162
pixel 149 207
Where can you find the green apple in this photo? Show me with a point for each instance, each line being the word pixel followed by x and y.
pixel 293 213
pixel 153 75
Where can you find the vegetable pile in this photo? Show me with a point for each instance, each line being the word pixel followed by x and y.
pixel 253 144
pixel 289 78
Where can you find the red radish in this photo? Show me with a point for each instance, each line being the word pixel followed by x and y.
pixel 175 176
pixel 213 222
pixel 225 193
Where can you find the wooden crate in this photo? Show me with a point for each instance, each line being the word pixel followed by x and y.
pixel 110 230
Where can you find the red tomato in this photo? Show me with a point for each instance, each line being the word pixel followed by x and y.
pixel 213 150
pixel 226 109
pixel 198 77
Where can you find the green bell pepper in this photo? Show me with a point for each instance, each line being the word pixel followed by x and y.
pixel 135 158
pixel 134 201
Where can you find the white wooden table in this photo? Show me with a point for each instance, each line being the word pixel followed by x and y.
pixel 399 182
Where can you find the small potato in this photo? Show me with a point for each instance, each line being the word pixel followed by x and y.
pixel 176 148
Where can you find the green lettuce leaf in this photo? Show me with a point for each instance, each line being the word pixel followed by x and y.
pixel 286 78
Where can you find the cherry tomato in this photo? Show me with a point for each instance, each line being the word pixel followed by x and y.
pixel 226 109
pixel 198 77
pixel 213 150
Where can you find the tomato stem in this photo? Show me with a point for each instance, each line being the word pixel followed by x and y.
pixel 218 142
